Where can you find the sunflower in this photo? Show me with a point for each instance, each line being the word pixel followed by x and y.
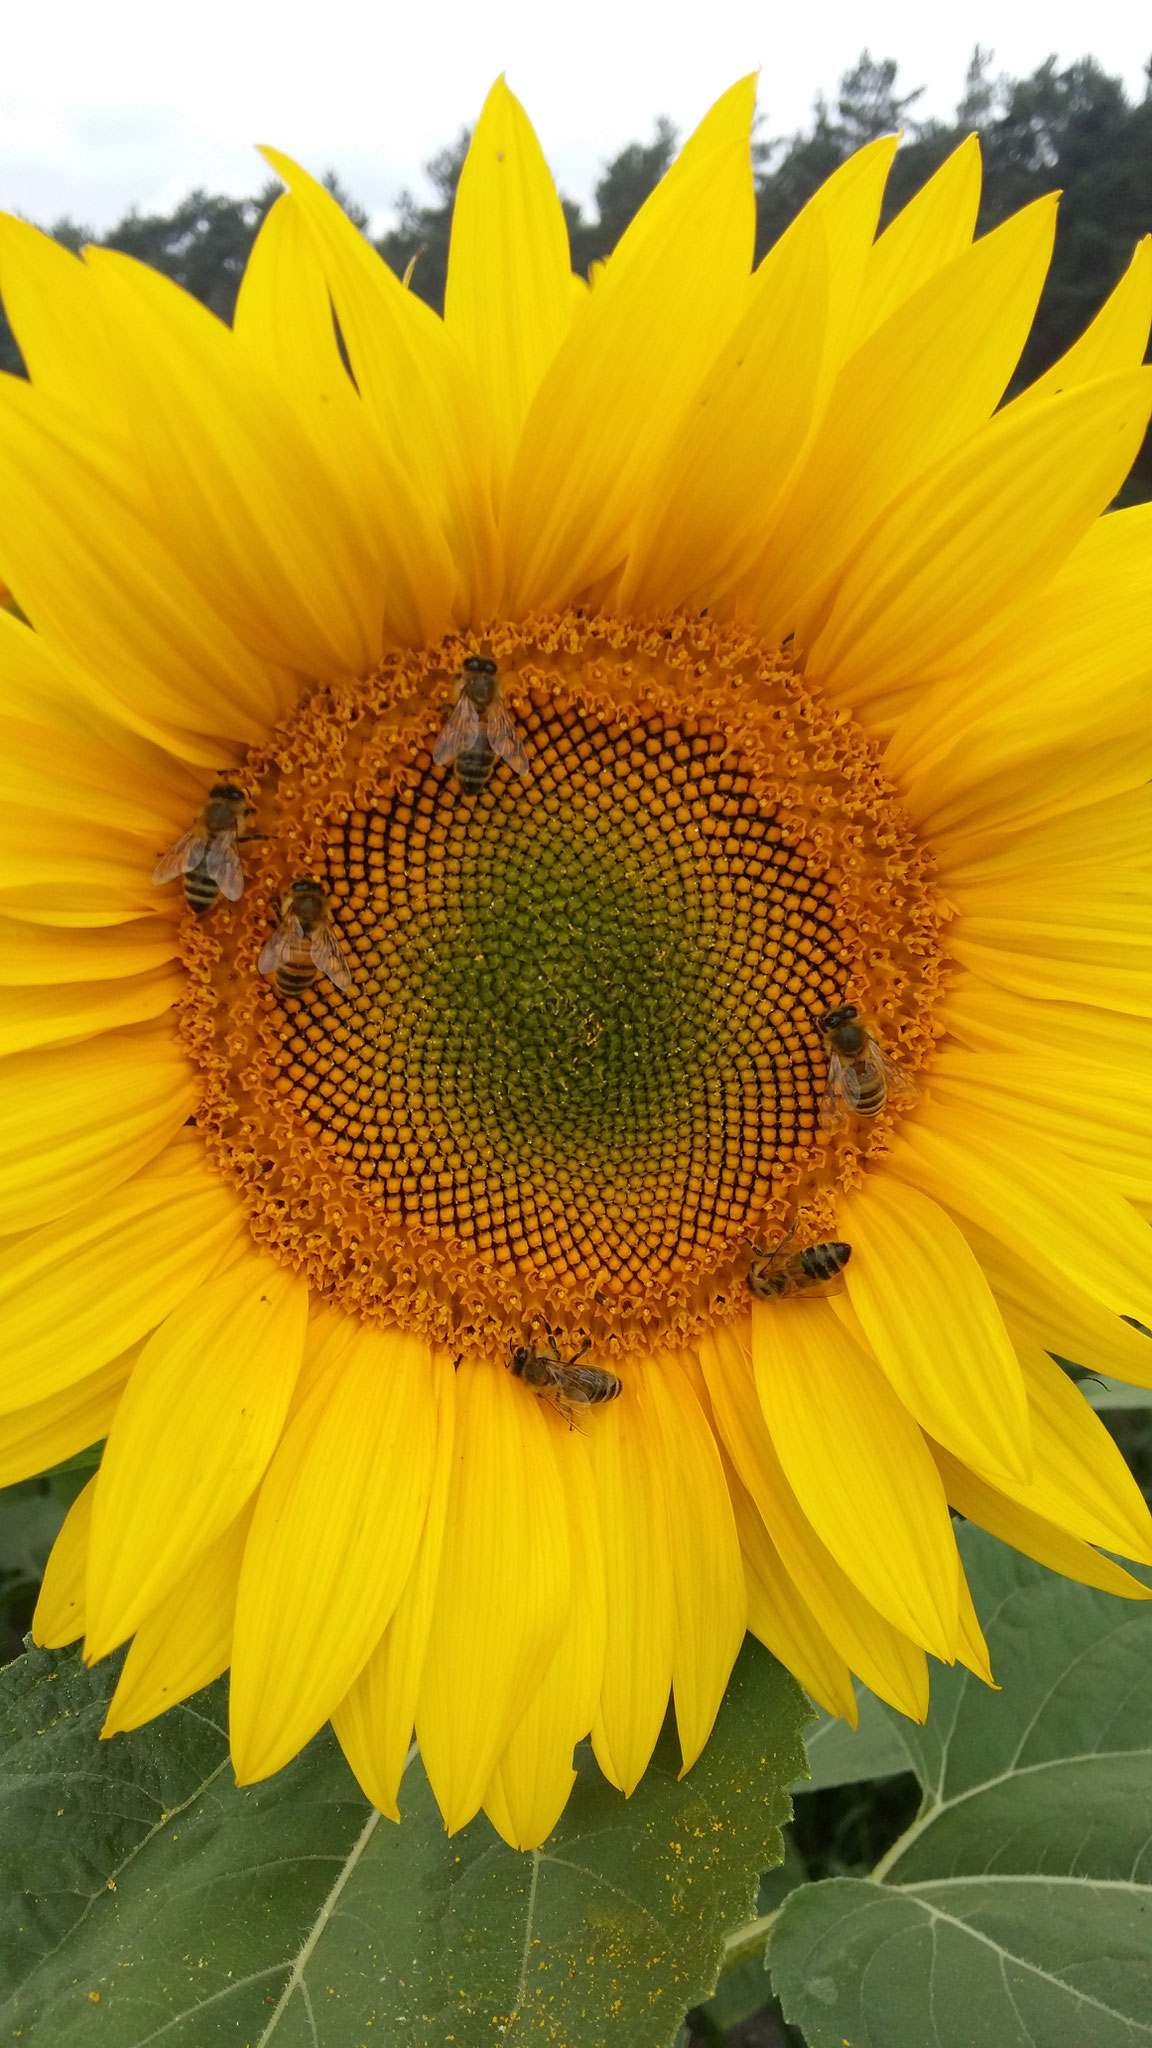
pixel 639 1185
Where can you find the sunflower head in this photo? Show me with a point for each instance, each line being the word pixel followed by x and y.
pixel 637 1080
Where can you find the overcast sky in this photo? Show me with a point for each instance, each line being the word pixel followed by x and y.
pixel 109 103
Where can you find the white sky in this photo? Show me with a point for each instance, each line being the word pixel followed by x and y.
pixel 106 103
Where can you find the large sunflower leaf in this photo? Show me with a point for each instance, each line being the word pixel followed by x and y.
pixel 153 1900
pixel 1017 1909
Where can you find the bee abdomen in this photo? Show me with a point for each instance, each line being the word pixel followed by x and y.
pixel 474 767
pixel 824 1261
pixel 873 1095
pixel 292 981
pixel 610 1385
pixel 200 891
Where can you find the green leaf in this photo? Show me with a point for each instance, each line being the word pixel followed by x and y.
pixel 1017 1909
pixel 289 1914
pixel 30 1521
pixel 840 1755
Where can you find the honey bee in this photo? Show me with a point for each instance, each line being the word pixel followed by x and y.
pixel 303 944
pixel 815 1270
pixel 861 1078
pixel 562 1381
pixel 207 856
pixel 479 727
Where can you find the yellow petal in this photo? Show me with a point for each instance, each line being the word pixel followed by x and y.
pixel 1098 1114
pixel 858 1466
pixel 901 403
pixel 1097 836
pixel 508 300
pixel 1042 1306
pixel 92 571
pixel 971 1648
pixel 929 1315
pixel 534 1776
pixel 80 1291
pixel 54 316
pixel 716 495
pixel 63 871
pixel 270 534
pixel 284 322
pixel 416 383
pixel 374 1720
pixel 1081 1481
pixel 631 1486
pixel 59 1616
pixel 996 1021
pixel 44 956
pixel 882 1655
pixel 1114 340
pixel 503 1588
pixel 78 1120
pixel 613 397
pixel 47 1016
pixel 187 1641
pixel 987 523
pixel 937 224
pixel 1029 1532
pixel 34 1439
pixel 1049 1213
pixel 708 1582
pixel 335 1531
pixel 778 1616
pixel 196 1428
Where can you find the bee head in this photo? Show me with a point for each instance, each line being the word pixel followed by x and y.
pixel 226 793
pixel 846 1014
pixel 479 665
pixel 305 888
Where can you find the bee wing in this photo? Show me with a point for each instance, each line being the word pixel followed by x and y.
pixel 583 1382
pixel 223 864
pixel 504 739
pixel 277 950
pixel 900 1085
pixel 840 1094
pixel 327 956
pixel 187 853
pixel 459 731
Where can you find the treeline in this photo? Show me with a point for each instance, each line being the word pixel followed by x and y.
pixel 1074 129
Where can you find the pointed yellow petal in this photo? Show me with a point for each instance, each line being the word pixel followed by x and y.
pixel 971 1648
pixel 194 1432
pixel 1041 1306
pixel 987 523
pixel 929 1315
pixel 1029 1532
pixel 937 224
pixel 708 1582
pixel 715 497
pixel 1115 340
pixel 1049 1213
pixel 1081 1481
pixel 882 1655
pixel 416 383
pixel 59 1616
pixel 80 1291
pixel 335 1531
pixel 53 314
pixel 996 1021
pixel 508 301
pixel 778 1616
pixel 533 1778
pixel 187 1641
pixel 34 1439
pixel 859 1467
pixel 631 1486
pixel 284 322
pixel 502 1594
pixel 274 540
pixel 614 395
pixel 78 1120
pixel 374 1720
pixel 901 403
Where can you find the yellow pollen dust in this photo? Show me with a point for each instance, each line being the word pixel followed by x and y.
pixel 577 1073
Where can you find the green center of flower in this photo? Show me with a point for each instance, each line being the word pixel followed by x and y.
pixel 577 1072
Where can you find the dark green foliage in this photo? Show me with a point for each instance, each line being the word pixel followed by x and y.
pixel 420 237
